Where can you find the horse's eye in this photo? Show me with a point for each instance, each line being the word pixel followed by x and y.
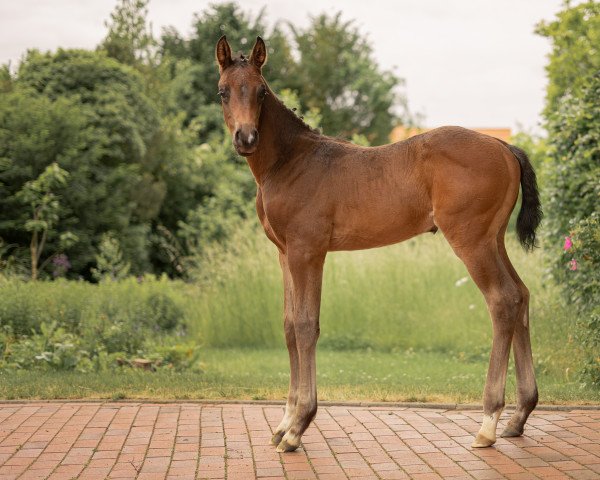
pixel 224 94
pixel 262 92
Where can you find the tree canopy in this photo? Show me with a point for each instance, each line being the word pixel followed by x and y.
pixel 575 36
pixel 150 177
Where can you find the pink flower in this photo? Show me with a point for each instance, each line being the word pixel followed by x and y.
pixel 568 244
pixel 573 265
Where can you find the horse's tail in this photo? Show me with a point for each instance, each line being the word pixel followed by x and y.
pixel 530 214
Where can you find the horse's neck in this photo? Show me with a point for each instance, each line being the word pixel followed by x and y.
pixel 281 135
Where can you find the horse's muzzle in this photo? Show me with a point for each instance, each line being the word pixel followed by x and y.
pixel 245 140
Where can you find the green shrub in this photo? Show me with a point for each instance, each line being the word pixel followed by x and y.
pixel 69 325
pixel 179 357
pixel 166 314
pixel 571 173
pixel 581 264
pixel 52 348
pixel 572 207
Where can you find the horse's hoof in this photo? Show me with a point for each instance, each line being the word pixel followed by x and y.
pixel 276 439
pixel 510 431
pixel 284 446
pixel 482 441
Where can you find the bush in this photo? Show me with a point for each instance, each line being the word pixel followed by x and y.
pixel 571 173
pixel 70 325
pixel 581 264
pixel 572 207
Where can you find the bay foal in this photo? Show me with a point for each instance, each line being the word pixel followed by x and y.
pixel 317 194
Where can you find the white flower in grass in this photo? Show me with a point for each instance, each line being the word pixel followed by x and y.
pixel 461 281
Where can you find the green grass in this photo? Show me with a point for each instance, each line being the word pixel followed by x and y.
pixel 415 295
pixel 263 375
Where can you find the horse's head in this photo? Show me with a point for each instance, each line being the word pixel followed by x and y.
pixel 242 89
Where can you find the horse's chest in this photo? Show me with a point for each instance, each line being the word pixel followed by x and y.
pixel 270 222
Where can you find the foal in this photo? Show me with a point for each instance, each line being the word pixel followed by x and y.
pixel 317 194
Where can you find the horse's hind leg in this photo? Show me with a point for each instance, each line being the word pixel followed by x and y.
pixel 290 340
pixel 504 300
pixel 527 393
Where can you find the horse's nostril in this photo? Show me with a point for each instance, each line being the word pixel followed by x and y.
pixel 245 138
pixel 251 137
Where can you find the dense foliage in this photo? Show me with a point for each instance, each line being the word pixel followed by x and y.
pixel 149 178
pixel 79 326
pixel 575 36
pixel 571 173
pixel 582 286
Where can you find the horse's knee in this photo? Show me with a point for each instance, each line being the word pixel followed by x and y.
pixel 288 328
pixel 307 331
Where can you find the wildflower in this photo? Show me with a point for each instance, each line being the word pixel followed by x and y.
pixel 61 265
pixel 461 281
pixel 573 265
pixel 568 244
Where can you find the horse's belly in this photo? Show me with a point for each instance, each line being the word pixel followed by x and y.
pixel 376 229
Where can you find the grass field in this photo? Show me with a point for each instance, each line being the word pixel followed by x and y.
pixel 403 323
pixel 263 375
pixel 416 295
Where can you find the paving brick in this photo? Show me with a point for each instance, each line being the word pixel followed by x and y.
pixel 191 441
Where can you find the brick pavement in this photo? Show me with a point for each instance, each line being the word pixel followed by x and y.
pixel 215 441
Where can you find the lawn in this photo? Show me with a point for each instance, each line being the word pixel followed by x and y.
pixel 252 374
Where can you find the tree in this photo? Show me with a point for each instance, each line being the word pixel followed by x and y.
pixel 5 79
pixel 44 206
pixel 129 39
pixel 572 118
pixel 571 172
pixel 109 260
pixel 335 71
pixel 337 74
pixel 115 182
pixel 575 36
pixel 195 85
pixel 36 136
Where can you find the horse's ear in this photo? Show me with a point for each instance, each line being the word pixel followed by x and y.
pixel 223 53
pixel 258 57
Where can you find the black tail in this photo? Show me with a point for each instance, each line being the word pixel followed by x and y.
pixel 530 214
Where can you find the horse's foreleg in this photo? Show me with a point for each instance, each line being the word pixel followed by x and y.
pixel 307 272
pixel 290 340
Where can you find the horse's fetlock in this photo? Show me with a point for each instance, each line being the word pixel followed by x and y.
pixel 307 411
pixel 529 401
